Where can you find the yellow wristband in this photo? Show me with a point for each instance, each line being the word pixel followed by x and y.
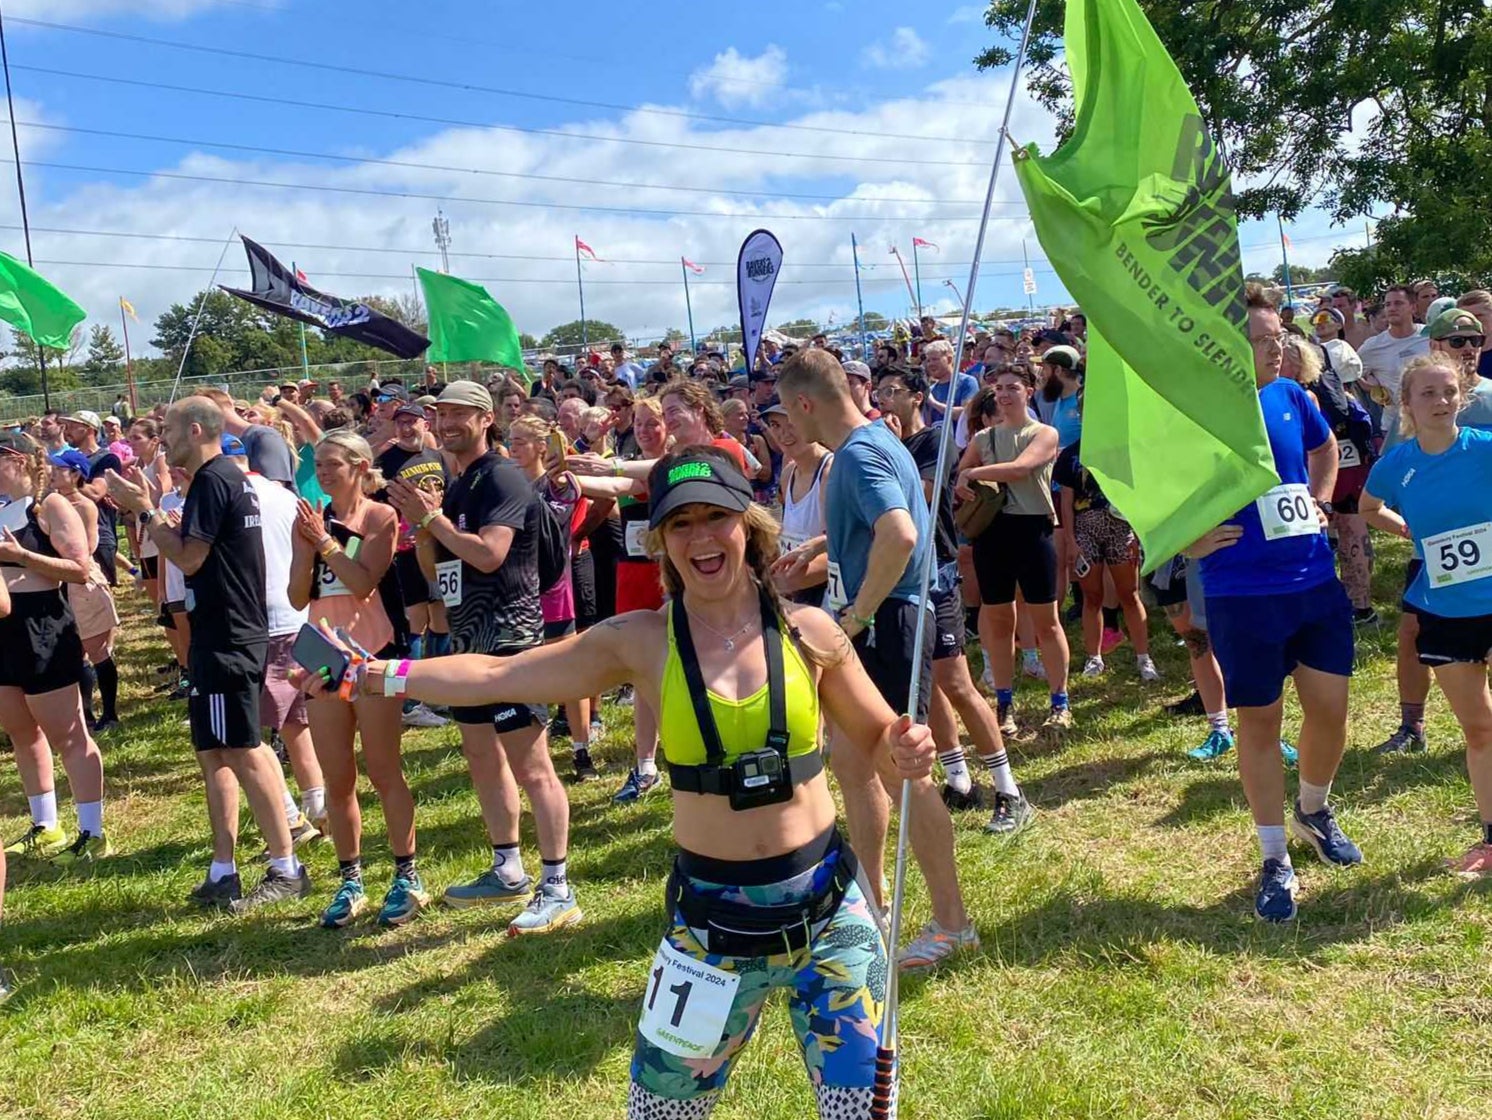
pixel 429 517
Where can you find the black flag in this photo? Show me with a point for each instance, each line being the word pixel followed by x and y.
pixel 275 288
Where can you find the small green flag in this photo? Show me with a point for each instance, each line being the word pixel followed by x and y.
pixel 30 303
pixel 467 324
pixel 1136 214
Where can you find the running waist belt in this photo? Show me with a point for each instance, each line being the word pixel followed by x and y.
pixel 735 929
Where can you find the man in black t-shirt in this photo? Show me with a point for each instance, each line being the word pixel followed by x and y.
pixel 220 549
pixel 900 393
pixel 480 545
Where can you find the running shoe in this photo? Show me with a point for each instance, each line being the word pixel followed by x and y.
pixel 1033 667
pixel 636 787
pixel 274 888
pixel 1288 754
pixel 1146 665
pixel 106 726
pixel 1321 831
pixel 349 901
pixel 585 769
pixel 959 801
pixel 1110 640
pixel 1012 813
pixel 487 889
pixel 1365 616
pixel 1093 667
pixel 40 842
pixel 1189 706
pixel 85 849
pixel 1475 864
pixel 624 696
pixel 1406 740
pixel 1217 744
pixel 277 744
pixel 1005 716
pixel 560 724
pixel 934 945
pixel 545 913
pixel 406 898
pixel 221 894
pixel 1275 901
pixel 1057 723
pixel 420 716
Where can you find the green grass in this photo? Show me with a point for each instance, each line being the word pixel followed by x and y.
pixel 1122 972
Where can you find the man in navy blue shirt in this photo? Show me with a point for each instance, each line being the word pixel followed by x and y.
pixel 1275 609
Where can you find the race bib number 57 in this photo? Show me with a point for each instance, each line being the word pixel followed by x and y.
pixel 685 1008
pixel 1288 511
pixel 1460 555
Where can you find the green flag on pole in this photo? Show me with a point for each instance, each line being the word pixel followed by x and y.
pixel 467 324
pixel 1135 212
pixel 31 304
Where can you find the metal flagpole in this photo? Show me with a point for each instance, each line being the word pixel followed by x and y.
pixel 907 280
pixel 1285 257
pixel 129 369
pixel 201 306
pixel 859 299
pixel 585 342
pixel 917 272
pixel 688 307
pixel 15 146
pixel 305 364
pixel 885 1080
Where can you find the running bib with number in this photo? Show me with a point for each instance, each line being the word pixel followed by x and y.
pixel 635 533
pixel 1288 511
pixel 836 600
pixel 448 582
pixel 1348 454
pixel 331 583
pixel 1459 556
pixel 687 1004
pixel 787 542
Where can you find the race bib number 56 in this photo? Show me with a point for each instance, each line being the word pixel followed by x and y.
pixel 685 1008
pixel 1460 555
pixel 448 582
pixel 1287 511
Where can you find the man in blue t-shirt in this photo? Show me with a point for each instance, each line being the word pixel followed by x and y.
pixel 1275 609
pixel 937 367
pixel 878 538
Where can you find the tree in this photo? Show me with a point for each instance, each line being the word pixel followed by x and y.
pixel 675 335
pixel 799 328
pixel 1278 84
pixel 105 356
pixel 1301 274
pixel 729 333
pixel 875 321
pixel 597 333
pixel 24 378
pixel 527 341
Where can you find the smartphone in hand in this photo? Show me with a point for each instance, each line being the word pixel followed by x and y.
pixel 313 652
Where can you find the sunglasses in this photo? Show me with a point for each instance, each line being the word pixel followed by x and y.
pixel 1461 341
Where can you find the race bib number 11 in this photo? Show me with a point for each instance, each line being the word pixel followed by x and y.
pixel 1288 511
pixel 687 1004
pixel 1460 555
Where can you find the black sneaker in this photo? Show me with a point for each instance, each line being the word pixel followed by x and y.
pixel 559 725
pixel 273 888
pixel 585 769
pixel 105 725
pixel 1365 616
pixel 959 802
pixel 1191 706
pixel 221 894
pixel 1012 813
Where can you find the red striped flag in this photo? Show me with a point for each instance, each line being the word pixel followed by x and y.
pixel 690 265
pixel 582 247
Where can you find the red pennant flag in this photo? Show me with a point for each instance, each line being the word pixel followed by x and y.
pixel 302 277
pixel 582 247
pixel 921 244
pixel 690 265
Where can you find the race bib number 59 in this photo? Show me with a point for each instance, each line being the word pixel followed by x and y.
pixel 1287 511
pixel 685 1008
pixel 1460 555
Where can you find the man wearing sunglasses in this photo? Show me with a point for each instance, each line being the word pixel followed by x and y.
pixel 1458 334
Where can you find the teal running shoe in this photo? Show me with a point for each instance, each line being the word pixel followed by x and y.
pixel 350 901
pixel 1289 753
pixel 406 898
pixel 1217 744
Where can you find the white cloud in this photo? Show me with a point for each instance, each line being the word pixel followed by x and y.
pixel 968 13
pixel 905 50
pixel 734 79
pixel 85 10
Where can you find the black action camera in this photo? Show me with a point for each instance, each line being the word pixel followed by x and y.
pixel 761 778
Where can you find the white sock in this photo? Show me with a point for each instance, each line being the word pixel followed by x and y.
pixel 1218 721
pixel 292 810
pixel 220 871
pixel 956 770
pixel 998 765
pixel 44 809
pixel 288 866
pixel 91 817
pixel 1312 798
pixel 313 801
pixel 648 767
pixel 1143 659
pixel 555 877
pixel 507 864
pixel 1272 842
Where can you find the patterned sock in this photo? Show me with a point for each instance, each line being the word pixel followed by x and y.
pixel 351 870
pixel 1412 716
pixel 1218 721
pixel 998 765
pixel 404 866
pixel 956 770
pixel 507 863
pixel 555 880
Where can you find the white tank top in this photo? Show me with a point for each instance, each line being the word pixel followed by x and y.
pixel 803 519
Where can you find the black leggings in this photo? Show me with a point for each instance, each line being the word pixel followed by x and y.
pixel 1017 550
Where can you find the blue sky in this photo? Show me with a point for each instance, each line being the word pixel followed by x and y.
pixel 888 133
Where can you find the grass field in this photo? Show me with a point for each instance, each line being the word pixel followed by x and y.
pixel 1122 972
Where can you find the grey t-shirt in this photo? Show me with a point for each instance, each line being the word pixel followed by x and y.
pixel 269 454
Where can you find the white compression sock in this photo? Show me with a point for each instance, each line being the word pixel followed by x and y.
pixel 956 770
pixel 44 809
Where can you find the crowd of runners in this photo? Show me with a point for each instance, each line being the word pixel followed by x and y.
pixel 738 555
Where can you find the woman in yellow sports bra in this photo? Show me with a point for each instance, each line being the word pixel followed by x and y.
pixel 764 893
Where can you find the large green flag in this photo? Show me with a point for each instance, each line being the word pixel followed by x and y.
pixel 30 303
pixel 467 324
pixel 1136 214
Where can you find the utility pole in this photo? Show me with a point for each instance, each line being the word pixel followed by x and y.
pixel 15 147
pixel 442 227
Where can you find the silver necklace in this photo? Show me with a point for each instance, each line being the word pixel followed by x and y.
pixel 729 639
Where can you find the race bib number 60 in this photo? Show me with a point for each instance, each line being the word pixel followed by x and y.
pixel 1460 555
pixel 685 1008
pixel 1287 511
pixel 448 582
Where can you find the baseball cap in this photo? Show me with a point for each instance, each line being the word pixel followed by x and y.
pixel 1437 308
pixel 83 416
pixel 1064 356
pixel 466 393
pixel 1056 338
pixel 1328 315
pixel 410 408
pixel 762 375
pixel 232 445
pixel 739 381
pixel 774 406
pixel 427 401
pixel 856 368
pixel 1455 321
pixel 704 478
pixel 391 393
pixel 72 460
